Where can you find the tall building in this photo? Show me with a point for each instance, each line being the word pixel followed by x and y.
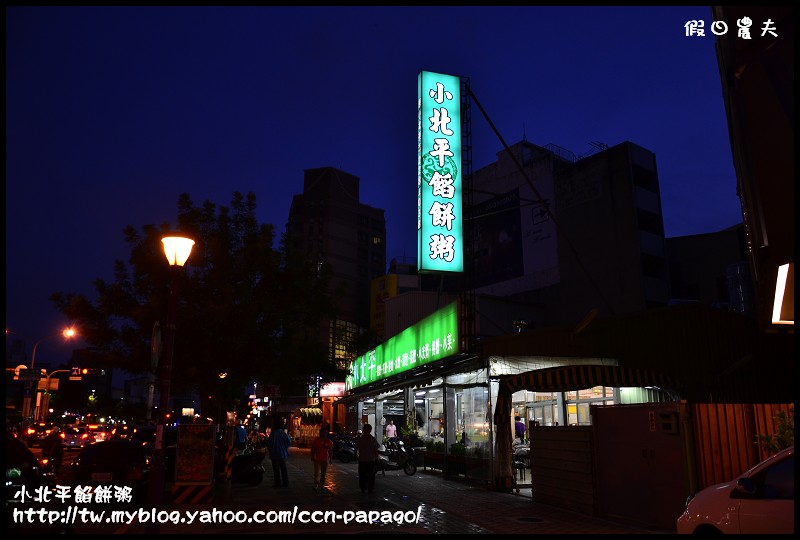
pixel 712 268
pixel 577 236
pixel 757 77
pixel 330 224
pixel 402 277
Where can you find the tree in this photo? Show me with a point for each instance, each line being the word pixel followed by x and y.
pixel 244 307
pixel 783 437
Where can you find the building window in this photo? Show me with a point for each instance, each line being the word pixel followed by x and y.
pixel 578 404
pixel 650 222
pixel 645 178
pixel 652 266
pixel 377 240
pixel 342 342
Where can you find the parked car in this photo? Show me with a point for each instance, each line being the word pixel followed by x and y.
pixel 116 462
pixel 33 435
pixel 75 437
pixel 759 501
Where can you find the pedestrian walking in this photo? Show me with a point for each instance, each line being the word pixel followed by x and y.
pixel 321 455
pixel 241 437
pixel 279 442
pixel 367 446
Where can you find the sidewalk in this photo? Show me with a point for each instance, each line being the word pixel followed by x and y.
pixel 444 506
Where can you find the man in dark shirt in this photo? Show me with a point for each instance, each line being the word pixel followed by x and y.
pixel 278 443
pixel 367 447
pixel 519 428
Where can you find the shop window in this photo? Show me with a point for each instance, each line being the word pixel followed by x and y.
pixel 545 413
pixel 473 420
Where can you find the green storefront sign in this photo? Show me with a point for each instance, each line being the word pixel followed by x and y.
pixel 431 339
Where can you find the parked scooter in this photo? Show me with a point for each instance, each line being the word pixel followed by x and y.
pixel 393 457
pixel 344 448
pixel 246 468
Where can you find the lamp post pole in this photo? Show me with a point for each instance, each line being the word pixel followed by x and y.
pixel 34 409
pixel 28 412
pixel 177 251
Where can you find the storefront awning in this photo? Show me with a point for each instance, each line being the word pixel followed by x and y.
pixel 578 377
pixel 561 379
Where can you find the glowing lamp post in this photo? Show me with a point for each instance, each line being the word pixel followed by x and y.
pixel 177 249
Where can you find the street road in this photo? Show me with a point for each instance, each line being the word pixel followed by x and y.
pixel 443 506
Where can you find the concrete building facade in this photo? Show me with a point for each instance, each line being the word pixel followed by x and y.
pixel 333 227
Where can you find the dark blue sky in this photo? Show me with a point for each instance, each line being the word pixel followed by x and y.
pixel 112 112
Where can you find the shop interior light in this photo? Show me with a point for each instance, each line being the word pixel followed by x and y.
pixel 783 304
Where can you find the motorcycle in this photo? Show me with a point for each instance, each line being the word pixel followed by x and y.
pixel 344 449
pixel 393 457
pixel 245 468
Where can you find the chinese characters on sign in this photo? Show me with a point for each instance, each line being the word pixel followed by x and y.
pixel 439 217
pixel 433 338
pixel 720 28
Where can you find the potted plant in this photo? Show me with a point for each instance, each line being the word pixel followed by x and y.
pixel 783 437
pixel 414 444
pixel 434 454
pixel 478 464
pixel 456 459
pixel 410 437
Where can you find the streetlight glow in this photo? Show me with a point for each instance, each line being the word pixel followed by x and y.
pixel 67 333
pixel 177 249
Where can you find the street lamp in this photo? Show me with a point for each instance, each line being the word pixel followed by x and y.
pixel 177 249
pixel 67 333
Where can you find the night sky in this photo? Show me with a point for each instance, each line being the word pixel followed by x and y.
pixel 113 112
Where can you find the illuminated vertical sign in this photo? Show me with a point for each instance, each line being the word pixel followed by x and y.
pixel 439 176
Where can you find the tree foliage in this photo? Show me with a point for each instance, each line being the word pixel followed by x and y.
pixel 783 436
pixel 244 308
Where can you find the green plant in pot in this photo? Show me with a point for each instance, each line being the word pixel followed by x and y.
pixel 411 437
pixel 458 449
